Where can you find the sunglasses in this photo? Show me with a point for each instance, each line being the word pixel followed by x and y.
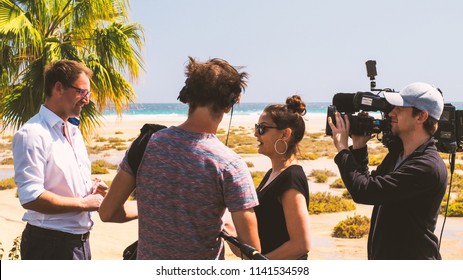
pixel 82 91
pixel 261 128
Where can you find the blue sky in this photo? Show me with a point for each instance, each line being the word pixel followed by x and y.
pixel 311 48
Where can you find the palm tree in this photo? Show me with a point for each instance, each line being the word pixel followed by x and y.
pixel 94 32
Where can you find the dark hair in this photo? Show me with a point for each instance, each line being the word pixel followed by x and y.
pixel 290 116
pixel 430 124
pixel 214 83
pixel 63 71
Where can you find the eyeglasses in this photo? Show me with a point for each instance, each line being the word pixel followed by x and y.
pixel 261 128
pixel 82 91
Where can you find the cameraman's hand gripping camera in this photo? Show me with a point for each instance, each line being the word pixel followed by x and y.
pixel 363 102
pixel 448 137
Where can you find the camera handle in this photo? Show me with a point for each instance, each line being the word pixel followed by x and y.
pixel 452 169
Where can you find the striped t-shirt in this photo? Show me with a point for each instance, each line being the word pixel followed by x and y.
pixel 184 183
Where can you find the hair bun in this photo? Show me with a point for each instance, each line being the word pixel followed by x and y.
pixel 296 104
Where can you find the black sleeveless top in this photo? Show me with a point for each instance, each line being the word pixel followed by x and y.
pixel 270 216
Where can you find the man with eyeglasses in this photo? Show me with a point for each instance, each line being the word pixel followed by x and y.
pixel 52 170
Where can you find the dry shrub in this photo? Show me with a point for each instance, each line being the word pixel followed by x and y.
pixel 6 184
pixel 324 202
pixel 338 184
pixel 352 227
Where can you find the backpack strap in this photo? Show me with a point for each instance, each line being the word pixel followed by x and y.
pixel 137 149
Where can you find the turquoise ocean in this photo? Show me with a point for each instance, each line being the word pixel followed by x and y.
pixel 180 109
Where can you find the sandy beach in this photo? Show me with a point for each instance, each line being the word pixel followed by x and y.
pixel 109 239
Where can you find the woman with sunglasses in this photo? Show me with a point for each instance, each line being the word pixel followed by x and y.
pixel 282 214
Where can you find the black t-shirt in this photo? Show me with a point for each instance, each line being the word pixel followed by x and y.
pixel 270 215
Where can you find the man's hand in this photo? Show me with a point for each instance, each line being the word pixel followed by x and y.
pixel 340 131
pixel 359 141
pixel 100 187
pixel 92 202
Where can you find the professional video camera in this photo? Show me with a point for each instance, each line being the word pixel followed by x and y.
pixel 449 135
pixel 362 102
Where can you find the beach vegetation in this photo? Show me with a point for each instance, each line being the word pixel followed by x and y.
pixel 375 160
pixel 455 206
pixel 5 146
pixel 324 202
pixel 101 139
pixel 115 140
pixel 245 149
pixel 457 182
pixel 240 140
pixel 8 138
pixel 321 176
pixel 308 156
pixel 377 149
pixel 346 194
pixel 118 132
pixel 455 209
pixel 96 149
pixel 7 184
pixel 104 163
pixel 96 169
pixel 458 166
pixel 7 161
pixel 15 251
pixel 98 33
pixel 257 177
pixel 249 164
pixel 338 184
pixel 352 227
pixel 316 143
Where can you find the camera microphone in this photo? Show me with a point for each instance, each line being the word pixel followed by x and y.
pixel 344 102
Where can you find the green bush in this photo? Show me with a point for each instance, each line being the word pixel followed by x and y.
pixel 324 202
pixel 338 184
pixel 6 184
pixel 353 227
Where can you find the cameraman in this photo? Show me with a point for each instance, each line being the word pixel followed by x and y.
pixel 408 186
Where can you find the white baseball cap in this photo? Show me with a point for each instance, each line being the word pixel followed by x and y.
pixel 419 95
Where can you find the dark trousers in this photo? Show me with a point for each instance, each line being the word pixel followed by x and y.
pixel 44 244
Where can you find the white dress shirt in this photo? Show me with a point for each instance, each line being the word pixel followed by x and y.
pixel 45 160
